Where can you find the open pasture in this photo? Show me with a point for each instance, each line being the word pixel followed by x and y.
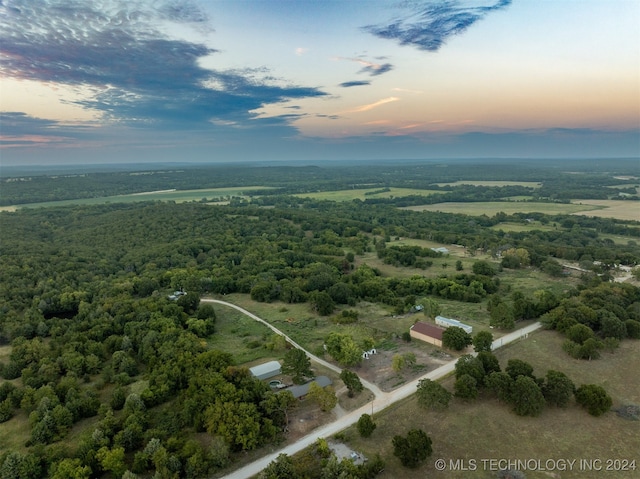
pixel 622 210
pixel 490 208
pixel 528 184
pixel 366 193
pixel 486 429
pixel 178 196
pixel 520 227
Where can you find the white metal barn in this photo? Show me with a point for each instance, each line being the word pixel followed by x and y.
pixel 266 370
pixel 447 323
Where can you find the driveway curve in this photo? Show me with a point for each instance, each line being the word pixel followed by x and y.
pixel 382 399
pixel 372 387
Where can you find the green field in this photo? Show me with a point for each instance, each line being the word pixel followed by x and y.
pixel 239 335
pixel 361 194
pixel 528 184
pixel 520 227
pixel 490 208
pixel 178 196
pixel 487 429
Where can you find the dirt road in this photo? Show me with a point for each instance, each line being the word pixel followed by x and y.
pixel 382 400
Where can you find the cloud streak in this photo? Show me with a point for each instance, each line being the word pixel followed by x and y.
pixel 138 74
pixel 349 84
pixel 428 25
pixel 19 129
pixel 373 105
pixel 371 68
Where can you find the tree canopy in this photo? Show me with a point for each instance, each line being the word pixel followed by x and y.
pixel 413 448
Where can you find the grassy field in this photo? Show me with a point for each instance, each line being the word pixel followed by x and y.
pixel 520 227
pixel 529 184
pixel 240 335
pixel 305 326
pixel 179 196
pixel 623 210
pixel 490 208
pixel 361 194
pixel 487 429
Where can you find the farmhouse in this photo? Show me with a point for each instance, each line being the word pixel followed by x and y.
pixel 266 370
pixel 429 333
pixel 447 323
pixel 301 391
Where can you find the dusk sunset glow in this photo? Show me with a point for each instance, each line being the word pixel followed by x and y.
pixel 113 81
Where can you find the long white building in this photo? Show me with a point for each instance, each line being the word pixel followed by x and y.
pixel 447 323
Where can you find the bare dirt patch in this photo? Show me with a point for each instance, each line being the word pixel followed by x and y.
pixel 377 369
pixel 305 419
pixel 342 451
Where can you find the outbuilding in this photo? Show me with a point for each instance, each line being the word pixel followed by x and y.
pixel 429 333
pixel 266 370
pixel 448 322
pixel 301 391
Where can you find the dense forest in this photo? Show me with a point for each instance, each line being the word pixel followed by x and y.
pixel 85 314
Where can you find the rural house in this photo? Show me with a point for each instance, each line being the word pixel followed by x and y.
pixel 429 333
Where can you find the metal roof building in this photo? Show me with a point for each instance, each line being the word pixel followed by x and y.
pixel 448 322
pixel 303 390
pixel 266 370
pixel 429 333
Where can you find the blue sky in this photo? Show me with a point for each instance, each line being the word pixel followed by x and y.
pixel 247 80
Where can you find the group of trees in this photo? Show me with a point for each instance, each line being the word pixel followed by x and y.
pixel 207 392
pixel 596 318
pixel 411 449
pixel 344 349
pixel 516 385
pixel 318 461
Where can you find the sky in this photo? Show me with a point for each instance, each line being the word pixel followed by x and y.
pixel 131 81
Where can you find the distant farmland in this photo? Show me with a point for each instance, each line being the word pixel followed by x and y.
pixel 364 193
pixel 623 210
pixel 528 184
pixel 179 196
pixel 490 208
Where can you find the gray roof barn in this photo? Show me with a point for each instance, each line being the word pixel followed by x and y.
pixel 303 390
pixel 266 370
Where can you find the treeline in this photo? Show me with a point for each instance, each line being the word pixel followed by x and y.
pixel 516 386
